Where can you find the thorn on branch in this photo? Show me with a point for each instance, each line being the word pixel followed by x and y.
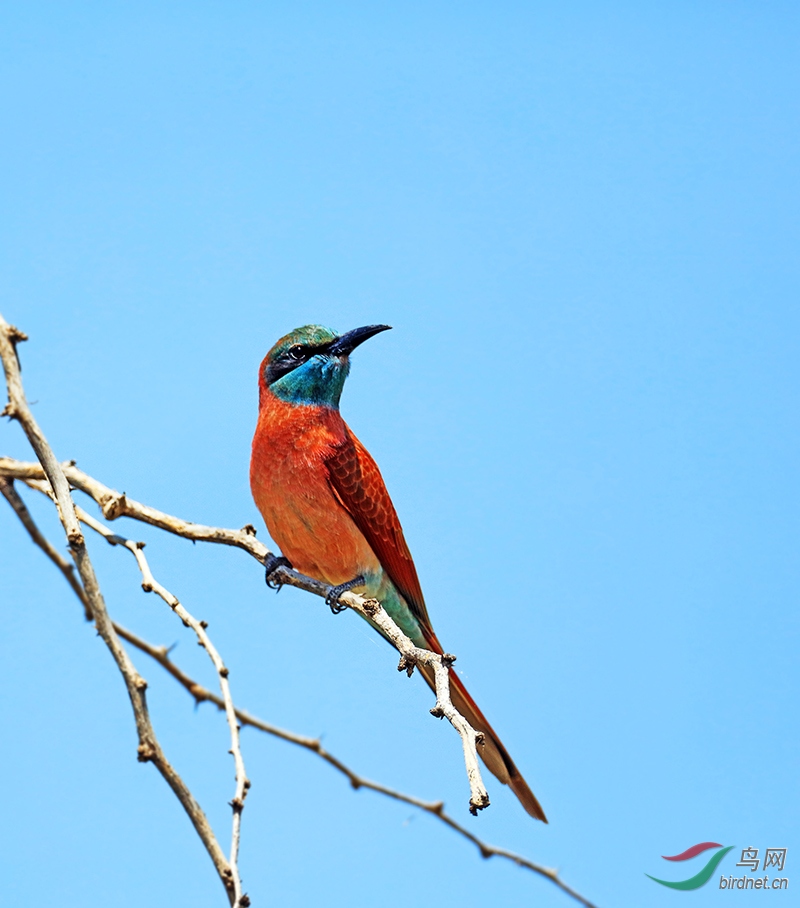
pixel 145 753
pixel 204 624
pixel 244 901
pixel 371 607
pixel 115 506
pixel 249 529
pixel 406 664
pixel 437 712
pixel 224 672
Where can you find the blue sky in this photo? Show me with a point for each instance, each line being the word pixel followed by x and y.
pixel 583 225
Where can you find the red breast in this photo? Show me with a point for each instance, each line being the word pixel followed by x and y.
pixel 290 485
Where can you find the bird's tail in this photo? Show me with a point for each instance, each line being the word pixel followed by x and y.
pixel 494 755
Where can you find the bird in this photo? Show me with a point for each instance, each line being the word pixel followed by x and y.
pixel 326 506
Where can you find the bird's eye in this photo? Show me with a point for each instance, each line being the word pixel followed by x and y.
pixel 297 352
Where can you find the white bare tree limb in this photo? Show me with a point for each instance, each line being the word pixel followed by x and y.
pixel 200 694
pixel 149 748
pixel 54 479
pixel 115 504
pixel 150 584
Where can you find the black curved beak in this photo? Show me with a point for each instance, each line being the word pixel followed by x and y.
pixel 348 342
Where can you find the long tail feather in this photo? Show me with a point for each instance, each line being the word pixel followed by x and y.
pixel 494 755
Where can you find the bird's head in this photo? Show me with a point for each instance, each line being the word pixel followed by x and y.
pixel 309 365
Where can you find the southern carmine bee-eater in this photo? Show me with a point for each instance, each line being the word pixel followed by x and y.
pixel 325 504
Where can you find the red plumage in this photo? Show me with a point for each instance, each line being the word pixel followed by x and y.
pixel 325 503
pixel 360 488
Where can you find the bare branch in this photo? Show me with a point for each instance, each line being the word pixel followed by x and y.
pixel 411 656
pixel 149 748
pixel 68 570
pixel 150 584
pixel 55 479
pixel 115 504
pixel 201 694
pixel 435 808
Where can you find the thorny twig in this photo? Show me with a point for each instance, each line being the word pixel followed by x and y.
pixel 201 694
pixel 68 570
pixel 149 748
pixel 150 584
pixel 114 504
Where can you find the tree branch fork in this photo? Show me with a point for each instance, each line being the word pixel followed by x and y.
pixel 57 481
pixel 114 505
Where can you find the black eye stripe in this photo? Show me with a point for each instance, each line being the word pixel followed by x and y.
pixel 301 352
pixel 290 359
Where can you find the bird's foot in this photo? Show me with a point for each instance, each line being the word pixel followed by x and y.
pixel 332 599
pixel 270 566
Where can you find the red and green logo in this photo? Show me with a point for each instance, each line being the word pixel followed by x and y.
pixel 701 878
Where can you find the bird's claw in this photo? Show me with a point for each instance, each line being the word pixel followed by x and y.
pixel 270 566
pixel 332 599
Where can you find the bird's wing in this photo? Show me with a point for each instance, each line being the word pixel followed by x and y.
pixel 358 484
